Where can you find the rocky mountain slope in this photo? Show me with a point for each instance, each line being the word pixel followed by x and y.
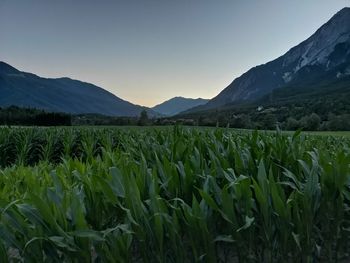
pixel 325 56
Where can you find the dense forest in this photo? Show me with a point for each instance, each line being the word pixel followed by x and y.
pixel 319 107
pixel 317 114
pixel 14 115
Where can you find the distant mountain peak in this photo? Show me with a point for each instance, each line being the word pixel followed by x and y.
pixel 178 104
pixel 317 48
pixel 343 11
pixel 326 53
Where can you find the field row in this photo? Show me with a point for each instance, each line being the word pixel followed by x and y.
pixel 173 195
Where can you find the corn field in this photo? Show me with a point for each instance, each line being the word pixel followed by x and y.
pixel 173 195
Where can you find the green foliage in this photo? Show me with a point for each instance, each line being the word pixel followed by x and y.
pixel 172 195
pixel 318 106
pixel 28 117
pixel 143 120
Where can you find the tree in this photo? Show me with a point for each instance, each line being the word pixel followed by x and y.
pixel 311 122
pixel 240 121
pixel 338 123
pixel 143 120
pixel 292 124
pixel 269 121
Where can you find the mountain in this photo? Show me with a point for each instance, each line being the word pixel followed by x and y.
pixel 61 94
pixel 178 104
pixel 323 57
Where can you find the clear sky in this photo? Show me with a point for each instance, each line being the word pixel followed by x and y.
pixel 147 51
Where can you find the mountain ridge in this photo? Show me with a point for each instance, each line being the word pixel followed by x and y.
pixel 319 54
pixel 60 94
pixel 177 105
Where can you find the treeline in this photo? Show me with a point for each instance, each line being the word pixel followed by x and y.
pixel 103 120
pixel 272 118
pixel 293 116
pixel 18 116
pixel 321 113
pixel 324 114
pixel 14 115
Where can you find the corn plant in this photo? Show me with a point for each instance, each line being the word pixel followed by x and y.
pixel 173 195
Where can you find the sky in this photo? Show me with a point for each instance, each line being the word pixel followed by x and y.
pixel 148 51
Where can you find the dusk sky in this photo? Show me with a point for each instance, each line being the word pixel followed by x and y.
pixel 151 50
